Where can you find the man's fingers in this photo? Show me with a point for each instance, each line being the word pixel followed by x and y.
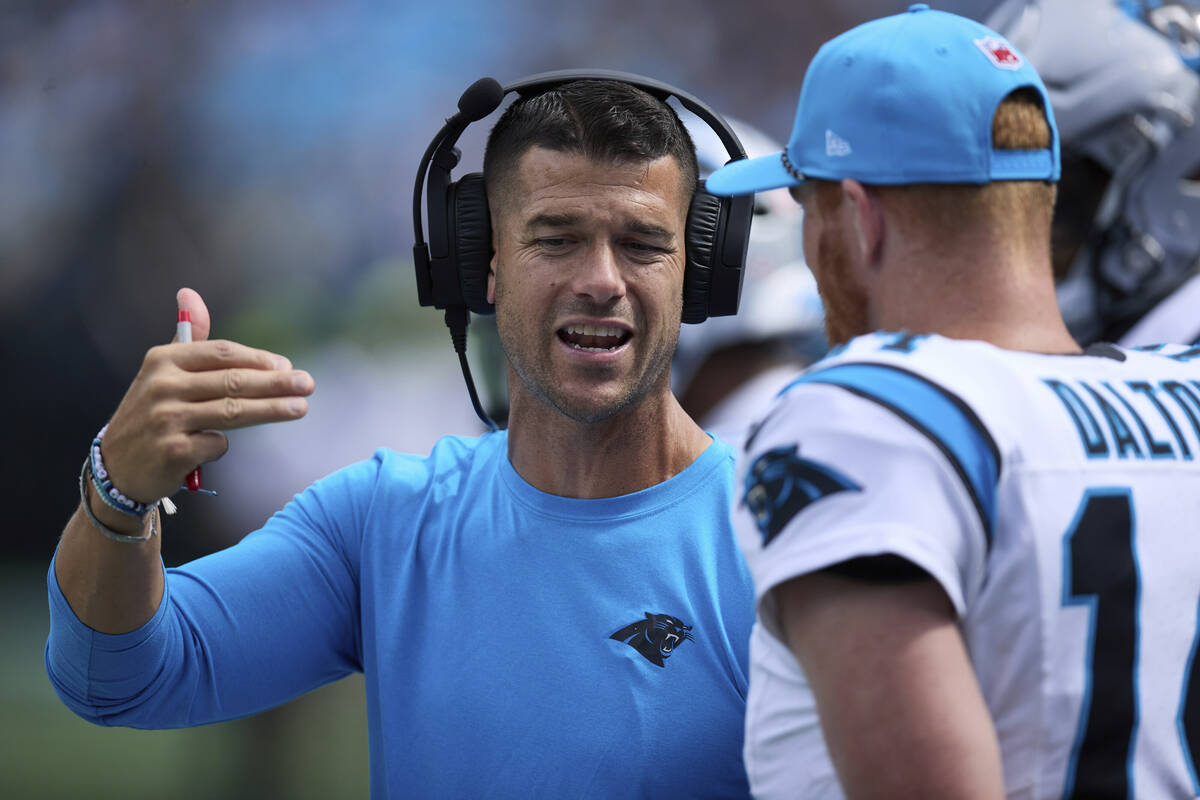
pixel 221 354
pixel 253 383
pixel 229 413
pixel 209 446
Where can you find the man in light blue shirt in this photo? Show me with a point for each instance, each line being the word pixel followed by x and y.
pixel 554 610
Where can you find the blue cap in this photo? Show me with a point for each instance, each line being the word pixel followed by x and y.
pixel 903 99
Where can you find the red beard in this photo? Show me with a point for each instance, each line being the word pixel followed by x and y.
pixel 845 303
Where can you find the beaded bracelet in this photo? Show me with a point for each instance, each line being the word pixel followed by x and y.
pixel 111 495
pixel 100 526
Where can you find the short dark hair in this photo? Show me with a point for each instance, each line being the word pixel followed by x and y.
pixel 604 120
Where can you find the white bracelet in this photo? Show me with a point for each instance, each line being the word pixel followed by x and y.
pixel 112 496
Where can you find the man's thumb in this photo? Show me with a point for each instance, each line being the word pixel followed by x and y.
pixel 190 301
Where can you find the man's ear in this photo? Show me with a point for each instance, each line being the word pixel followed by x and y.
pixel 491 289
pixel 866 219
pixel 491 279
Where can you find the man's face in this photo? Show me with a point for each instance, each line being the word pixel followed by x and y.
pixel 587 279
pixel 827 250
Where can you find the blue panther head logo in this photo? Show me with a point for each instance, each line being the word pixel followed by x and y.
pixel 655 637
pixel 780 484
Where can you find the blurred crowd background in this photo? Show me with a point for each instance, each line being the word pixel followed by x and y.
pixel 264 154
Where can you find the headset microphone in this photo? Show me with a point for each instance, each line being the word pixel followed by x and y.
pixel 452 268
pixel 480 99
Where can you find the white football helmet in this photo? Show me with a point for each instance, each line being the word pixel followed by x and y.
pixel 1122 79
pixel 779 295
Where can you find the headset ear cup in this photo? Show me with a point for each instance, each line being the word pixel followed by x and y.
pixel 472 236
pixel 700 238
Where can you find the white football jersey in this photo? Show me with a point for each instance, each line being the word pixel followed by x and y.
pixel 1055 498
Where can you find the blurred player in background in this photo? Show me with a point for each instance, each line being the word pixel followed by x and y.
pixel 1122 77
pixel 728 370
pixel 975 545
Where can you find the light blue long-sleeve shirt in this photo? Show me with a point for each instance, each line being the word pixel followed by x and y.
pixel 483 613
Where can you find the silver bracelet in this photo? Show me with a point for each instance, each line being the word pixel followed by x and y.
pixel 84 477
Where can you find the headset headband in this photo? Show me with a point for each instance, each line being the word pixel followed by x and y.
pixel 535 84
pixel 483 97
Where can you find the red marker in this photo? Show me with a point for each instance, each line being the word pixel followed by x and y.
pixel 183 333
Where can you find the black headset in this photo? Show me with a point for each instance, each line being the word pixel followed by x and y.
pixel 452 269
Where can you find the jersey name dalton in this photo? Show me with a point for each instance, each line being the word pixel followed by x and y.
pixel 1109 426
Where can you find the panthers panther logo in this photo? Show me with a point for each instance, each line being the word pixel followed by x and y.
pixel 780 484
pixel 655 637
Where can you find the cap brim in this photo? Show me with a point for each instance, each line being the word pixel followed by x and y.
pixel 749 175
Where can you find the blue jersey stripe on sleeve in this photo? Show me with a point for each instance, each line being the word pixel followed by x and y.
pixel 939 414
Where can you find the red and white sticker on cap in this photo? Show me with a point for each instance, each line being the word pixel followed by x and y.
pixel 999 52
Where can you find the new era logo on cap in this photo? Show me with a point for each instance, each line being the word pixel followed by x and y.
pixel 835 145
pixel 999 52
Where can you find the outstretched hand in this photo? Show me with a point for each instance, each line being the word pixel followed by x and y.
pixel 185 394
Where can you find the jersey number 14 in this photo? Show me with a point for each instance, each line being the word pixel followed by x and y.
pixel 1101 572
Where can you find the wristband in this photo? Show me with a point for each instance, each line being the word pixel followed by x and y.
pixel 84 472
pixel 111 495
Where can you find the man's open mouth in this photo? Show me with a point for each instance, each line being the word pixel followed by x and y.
pixel 594 338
